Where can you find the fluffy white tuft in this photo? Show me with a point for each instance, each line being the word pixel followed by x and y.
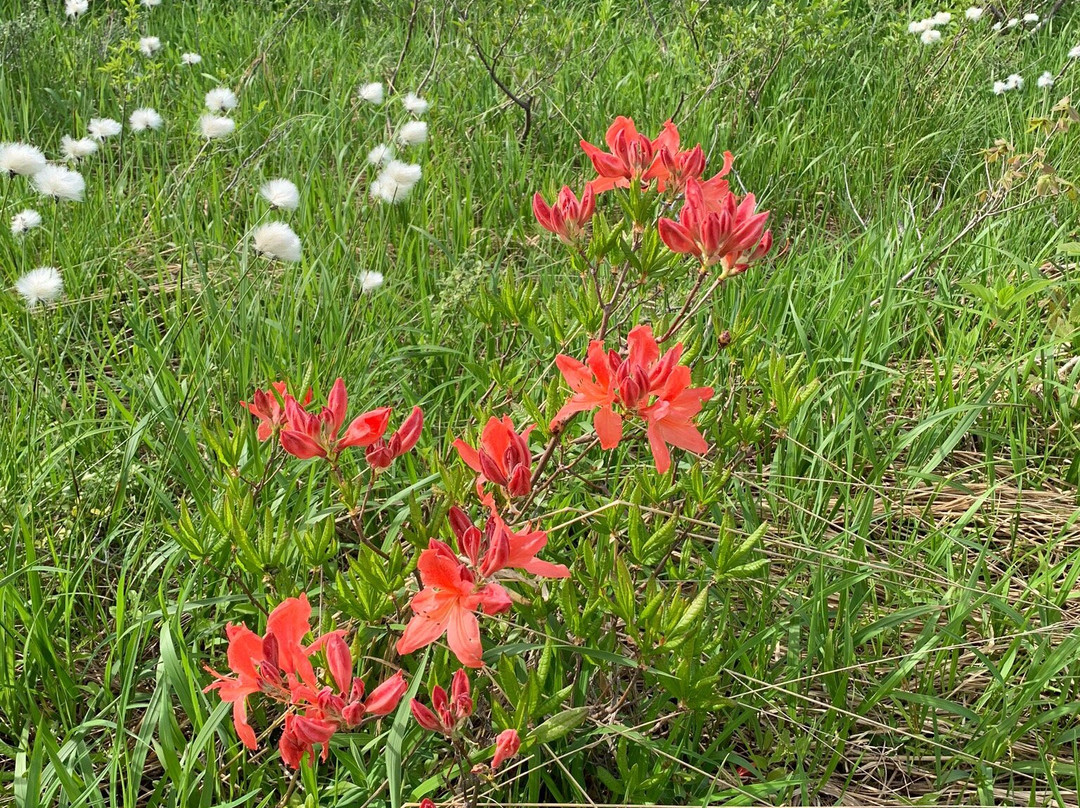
pixel 1045 81
pixel 74 149
pixel 372 93
pixel 221 99
pixel 996 26
pixel 145 118
pixel 190 58
pixel 942 18
pixel 214 126
pixel 150 3
pixel 1012 23
pixel 380 154
pixel 76 8
pixel 277 240
pixel 974 13
pixel 370 280
pixel 415 104
pixel 60 182
pixel 1000 87
pixel 413 133
pixel 282 194
pixel 1074 53
pixel 918 26
pixel 101 128
pixel 21 158
pixel 41 285
pixel 25 220
pixel 1014 82
pixel 149 45
pixel 930 37
pixel 1031 18
pixel 395 182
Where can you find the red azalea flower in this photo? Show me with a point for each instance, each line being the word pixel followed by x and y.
pixel 594 389
pixel 308 435
pixel 733 237
pixel 499 547
pixel 567 218
pixel 632 157
pixel 670 418
pixel 382 452
pixel 502 458
pixel 268 409
pixel 446 714
pixel 448 604
pixel 507 744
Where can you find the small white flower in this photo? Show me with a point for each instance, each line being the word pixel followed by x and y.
pixel 1031 18
pixel 214 126
pixel 281 194
pixel 190 58
pixel 20 158
pixel 370 280
pixel 221 99
pixel 26 220
pixel 415 104
pixel 76 8
pixel 145 118
pixel 101 128
pixel 60 182
pixel 996 26
pixel 150 3
pixel 1012 23
pixel 1074 53
pixel 277 240
pixel 395 182
pixel 1045 81
pixel 413 133
pixel 149 45
pixel 1000 87
pixel 974 13
pixel 372 93
pixel 942 18
pixel 76 149
pixel 41 285
pixel 930 37
pixel 380 154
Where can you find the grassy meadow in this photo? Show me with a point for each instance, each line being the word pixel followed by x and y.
pixel 865 593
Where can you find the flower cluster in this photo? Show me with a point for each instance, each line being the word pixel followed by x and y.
pixel 396 178
pixel 278 665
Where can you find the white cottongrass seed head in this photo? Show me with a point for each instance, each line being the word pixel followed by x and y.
pixel 215 126
pixel 1012 23
pixel 221 99
pixel 930 37
pixel 395 182
pixel 41 285
pixel 372 93
pixel 918 26
pixel 281 193
pixel 1074 53
pixel 1000 87
pixel 60 182
pixel 76 8
pixel 415 104
pixel 190 58
pixel 370 281
pixel 150 3
pixel 277 240
pixel 75 149
pixel 145 118
pixel 413 133
pixel 149 45
pixel 21 158
pixel 380 154
pixel 996 26
pixel 1045 81
pixel 1015 81
pixel 942 18
pixel 974 13
pixel 25 220
pixel 1031 18
pixel 101 128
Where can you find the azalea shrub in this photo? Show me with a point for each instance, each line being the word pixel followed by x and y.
pixel 446 596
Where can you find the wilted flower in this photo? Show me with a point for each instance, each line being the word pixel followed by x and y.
pixel 372 93
pixel 60 182
pixel 507 745
pixel 1031 18
pixel 221 99
pixel 145 118
pixel 101 128
pixel 413 133
pixel 25 220
pixel 42 285
pixel 415 104
pixel 277 240
pixel 76 8
pixel 380 154
pixel 974 13
pixel 1045 81
pixel 369 280
pixel 930 37
pixel 76 149
pixel 396 181
pixel 282 194
pixel 21 158
pixel 190 58
pixel 215 126
pixel 149 45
